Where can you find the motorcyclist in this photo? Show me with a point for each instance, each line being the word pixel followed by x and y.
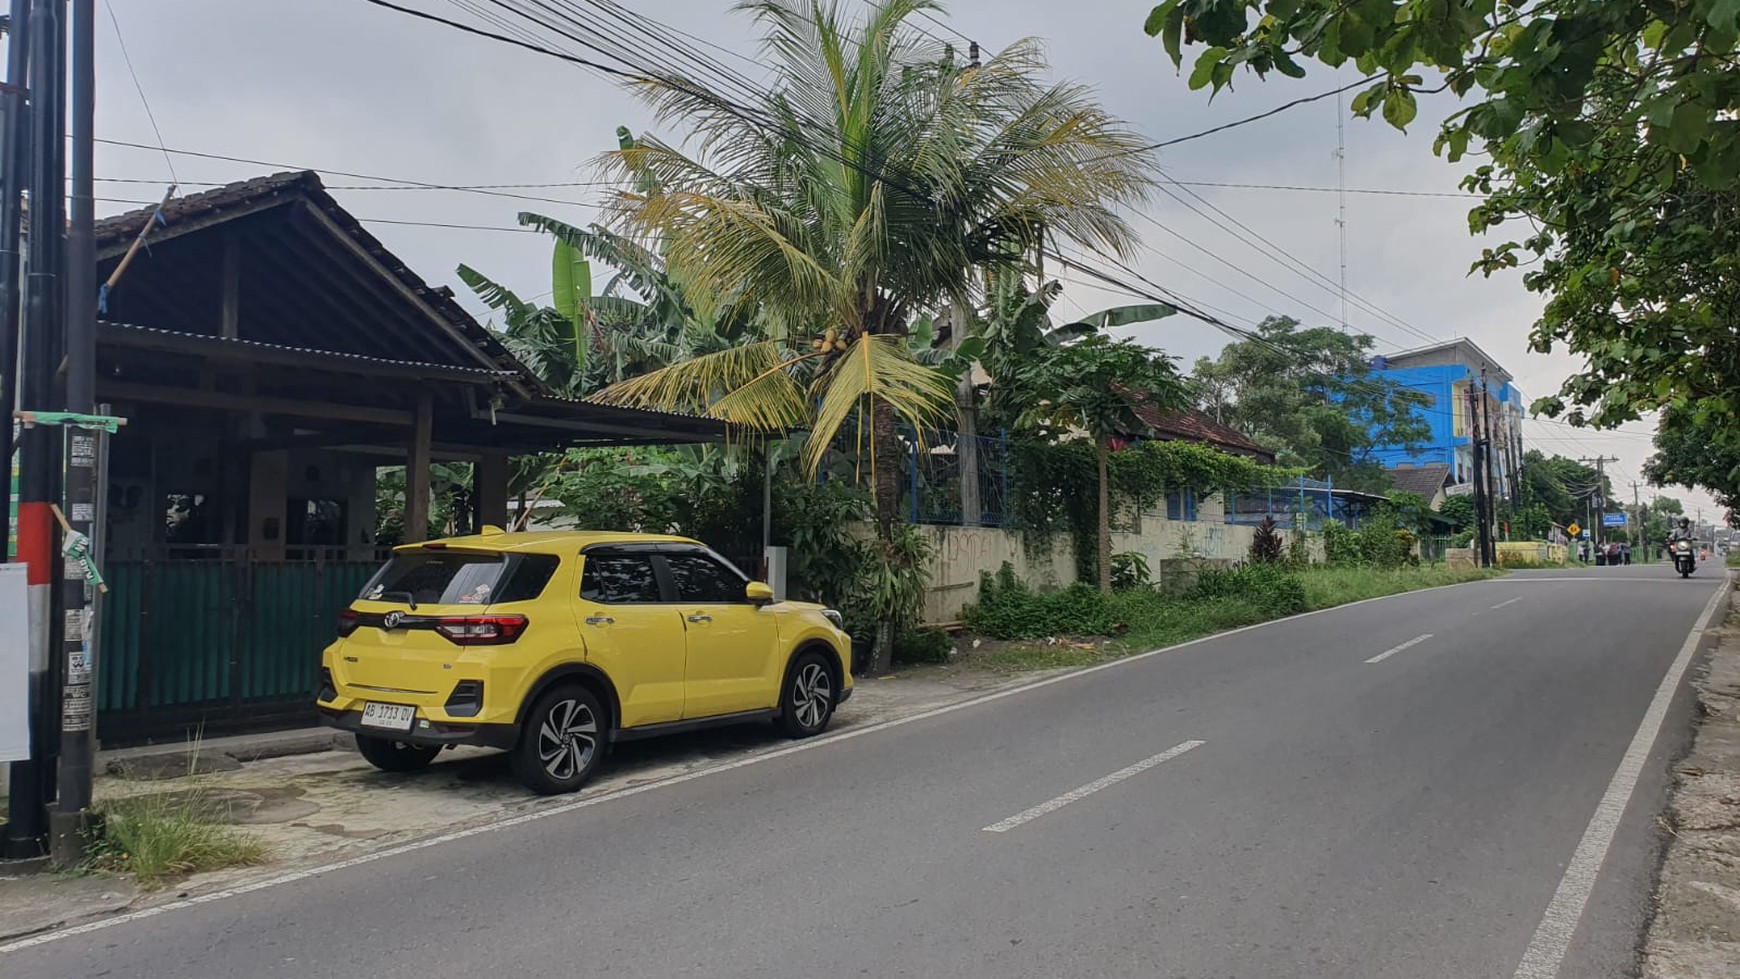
pixel 1682 530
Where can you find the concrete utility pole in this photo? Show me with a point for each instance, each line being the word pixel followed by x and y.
pixel 1482 518
pixel 1597 531
pixel 39 455
pixel 70 823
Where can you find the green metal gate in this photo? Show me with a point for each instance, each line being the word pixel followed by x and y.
pixel 216 644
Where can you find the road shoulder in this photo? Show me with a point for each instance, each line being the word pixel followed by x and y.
pixel 1695 933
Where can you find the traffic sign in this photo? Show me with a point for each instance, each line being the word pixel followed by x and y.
pixel 1573 530
pixel 1585 534
pixel 1613 520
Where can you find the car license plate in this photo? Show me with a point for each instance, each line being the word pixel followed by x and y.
pixel 397 717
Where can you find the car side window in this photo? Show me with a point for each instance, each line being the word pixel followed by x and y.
pixel 699 578
pixel 619 579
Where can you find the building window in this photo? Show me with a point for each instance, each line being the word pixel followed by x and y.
pixel 1181 504
pixel 315 523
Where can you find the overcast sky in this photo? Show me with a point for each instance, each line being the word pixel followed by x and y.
pixel 342 85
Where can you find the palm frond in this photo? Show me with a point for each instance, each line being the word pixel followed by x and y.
pixel 702 383
pixel 876 367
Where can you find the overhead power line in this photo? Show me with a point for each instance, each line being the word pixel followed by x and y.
pixel 1379 191
pixel 121 42
pixel 424 185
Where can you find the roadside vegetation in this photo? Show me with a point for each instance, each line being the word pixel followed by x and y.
pixel 160 837
pixel 1015 627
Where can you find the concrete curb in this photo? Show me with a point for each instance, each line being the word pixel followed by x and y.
pixel 164 761
pixel 1695 932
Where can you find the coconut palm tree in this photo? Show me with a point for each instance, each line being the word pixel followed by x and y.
pixel 862 191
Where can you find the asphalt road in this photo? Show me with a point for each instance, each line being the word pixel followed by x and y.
pixel 1408 817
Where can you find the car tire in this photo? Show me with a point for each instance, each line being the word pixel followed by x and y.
pixel 396 756
pixel 562 741
pixel 807 703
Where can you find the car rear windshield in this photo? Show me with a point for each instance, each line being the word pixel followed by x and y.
pixel 460 578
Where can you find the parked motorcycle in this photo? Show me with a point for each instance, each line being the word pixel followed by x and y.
pixel 1684 561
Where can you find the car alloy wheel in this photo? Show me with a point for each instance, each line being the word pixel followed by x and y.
pixel 567 739
pixel 808 700
pixel 812 694
pixel 563 740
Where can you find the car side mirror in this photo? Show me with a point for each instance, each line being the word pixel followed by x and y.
pixel 758 592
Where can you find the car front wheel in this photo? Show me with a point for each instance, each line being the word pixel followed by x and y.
pixel 561 742
pixel 396 756
pixel 808 701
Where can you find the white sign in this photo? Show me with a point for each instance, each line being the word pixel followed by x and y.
pixel 14 662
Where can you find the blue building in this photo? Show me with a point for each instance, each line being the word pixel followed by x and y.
pixel 1445 372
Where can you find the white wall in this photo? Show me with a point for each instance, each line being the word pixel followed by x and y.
pixel 962 553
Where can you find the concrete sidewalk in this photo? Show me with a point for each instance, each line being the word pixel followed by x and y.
pixel 313 800
pixel 1696 930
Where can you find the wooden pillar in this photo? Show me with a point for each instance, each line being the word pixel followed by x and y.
pixel 489 489
pixel 417 471
pixel 230 315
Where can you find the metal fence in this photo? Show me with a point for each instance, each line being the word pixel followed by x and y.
pixel 217 643
pixel 933 489
pixel 1300 504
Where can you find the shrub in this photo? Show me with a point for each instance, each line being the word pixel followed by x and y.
pixel 1299 552
pixel 919 647
pixel 1130 570
pixel 1340 544
pixel 1266 545
pixel 1267 587
pixel 1008 609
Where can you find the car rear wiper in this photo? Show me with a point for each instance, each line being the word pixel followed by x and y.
pixel 410 599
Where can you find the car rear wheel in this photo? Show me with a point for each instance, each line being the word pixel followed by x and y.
pixel 396 756
pixel 561 742
pixel 808 701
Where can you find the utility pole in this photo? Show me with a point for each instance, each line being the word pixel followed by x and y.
pixel 1482 525
pixel 70 823
pixel 39 456
pixel 25 804
pixel 1637 521
pixel 1492 483
pixel 1598 499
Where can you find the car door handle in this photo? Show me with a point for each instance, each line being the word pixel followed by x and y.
pixel 700 618
pixel 600 620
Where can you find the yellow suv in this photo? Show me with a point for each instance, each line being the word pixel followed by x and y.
pixel 554 645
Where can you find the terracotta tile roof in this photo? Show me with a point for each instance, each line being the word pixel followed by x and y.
pixel 1190 425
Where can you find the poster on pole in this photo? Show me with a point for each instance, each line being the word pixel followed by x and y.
pixel 14 662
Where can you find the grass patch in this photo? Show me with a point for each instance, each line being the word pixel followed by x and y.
pixel 1145 619
pixel 162 836
pixel 1734 559
pixel 1327 587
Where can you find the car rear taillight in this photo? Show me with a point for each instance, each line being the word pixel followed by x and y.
pixel 347 622
pixel 481 630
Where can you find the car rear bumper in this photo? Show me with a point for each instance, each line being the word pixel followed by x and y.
pixel 427 732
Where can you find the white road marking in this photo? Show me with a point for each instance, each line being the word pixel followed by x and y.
pixel 1076 795
pixel 586 802
pixel 1546 951
pixel 1515 580
pixel 1509 601
pixel 1386 654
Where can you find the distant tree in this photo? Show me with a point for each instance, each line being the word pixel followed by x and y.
pixel 1310 395
pixel 1459 510
pixel 1696 450
pixel 1603 132
pixel 1095 386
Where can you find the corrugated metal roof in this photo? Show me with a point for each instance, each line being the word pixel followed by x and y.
pixel 1425 480
pixel 307 351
